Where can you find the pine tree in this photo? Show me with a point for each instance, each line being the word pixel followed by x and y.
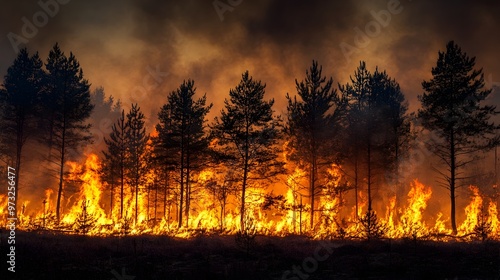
pixel 452 110
pixel 67 104
pixel 394 121
pixel 20 98
pixel 313 124
pixel 248 134
pixel 115 157
pixel 136 141
pixel 357 93
pixel 106 110
pixel 182 141
pixel 378 126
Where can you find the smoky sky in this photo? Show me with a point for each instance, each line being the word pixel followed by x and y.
pixel 121 43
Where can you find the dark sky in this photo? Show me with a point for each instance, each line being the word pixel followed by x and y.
pixel 119 43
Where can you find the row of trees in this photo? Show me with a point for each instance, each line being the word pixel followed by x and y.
pixel 49 105
pixel 363 125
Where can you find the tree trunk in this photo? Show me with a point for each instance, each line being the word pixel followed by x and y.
pixel 165 198
pixel 356 170
pixel 111 197
pixel 452 182
pixel 61 173
pixel 188 189
pixel 369 176
pixel 136 183
pixel 243 190
pixel 122 180
pixel 19 148
pixel 245 176
pixel 312 180
pixel 156 201
pixel 182 188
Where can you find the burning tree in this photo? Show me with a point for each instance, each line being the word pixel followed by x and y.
pixel 181 141
pixel 313 124
pixel 114 159
pixel 377 126
pixel 220 189
pixel 136 141
pixel 67 104
pixel 85 221
pixel 371 226
pixel 452 110
pixel 248 134
pixel 105 110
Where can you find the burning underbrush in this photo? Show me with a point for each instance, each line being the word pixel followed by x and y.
pixel 94 210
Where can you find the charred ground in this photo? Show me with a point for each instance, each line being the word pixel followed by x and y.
pixel 47 255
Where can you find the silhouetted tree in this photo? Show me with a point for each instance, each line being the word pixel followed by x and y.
pixel 136 141
pixel 222 188
pixel 248 133
pixel 20 98
pixel 106 110
pixel 313 124
pixel 357 93
pixel 181 132
pixel 67 103
pixel 393 120
pixel 163 162
pixel 115 157
pixel 378 125
pixel 452 110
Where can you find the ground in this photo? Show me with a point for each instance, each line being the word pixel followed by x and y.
pixel 45 255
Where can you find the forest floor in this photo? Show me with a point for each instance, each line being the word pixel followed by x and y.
pixel 45 255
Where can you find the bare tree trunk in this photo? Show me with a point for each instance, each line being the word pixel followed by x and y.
pixel 188 189
pixel 19 148
pixel 156 201
pixel 61 173
pixel 452 182
pixel 111 197
pixel 356 171
pixel 182 188
pixel 369 175
pixel 122 183
pixel 165 197
pixel 312 180
pixel 243 192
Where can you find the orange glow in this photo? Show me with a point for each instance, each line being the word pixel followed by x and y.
pixel 214 209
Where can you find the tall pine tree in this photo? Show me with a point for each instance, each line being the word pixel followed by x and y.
pixel 313 125
pixel 136 141
pixel 182 139
pixel 377 127
pixel 20 97
pixel 115 158
pixel 68 106
pixel 452 110
pixel 248 134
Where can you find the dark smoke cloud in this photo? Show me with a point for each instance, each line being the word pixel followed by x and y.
pixel 117 40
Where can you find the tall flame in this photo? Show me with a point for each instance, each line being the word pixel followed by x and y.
pixel 214 208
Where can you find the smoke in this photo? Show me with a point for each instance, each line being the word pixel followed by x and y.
pixel 116 41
